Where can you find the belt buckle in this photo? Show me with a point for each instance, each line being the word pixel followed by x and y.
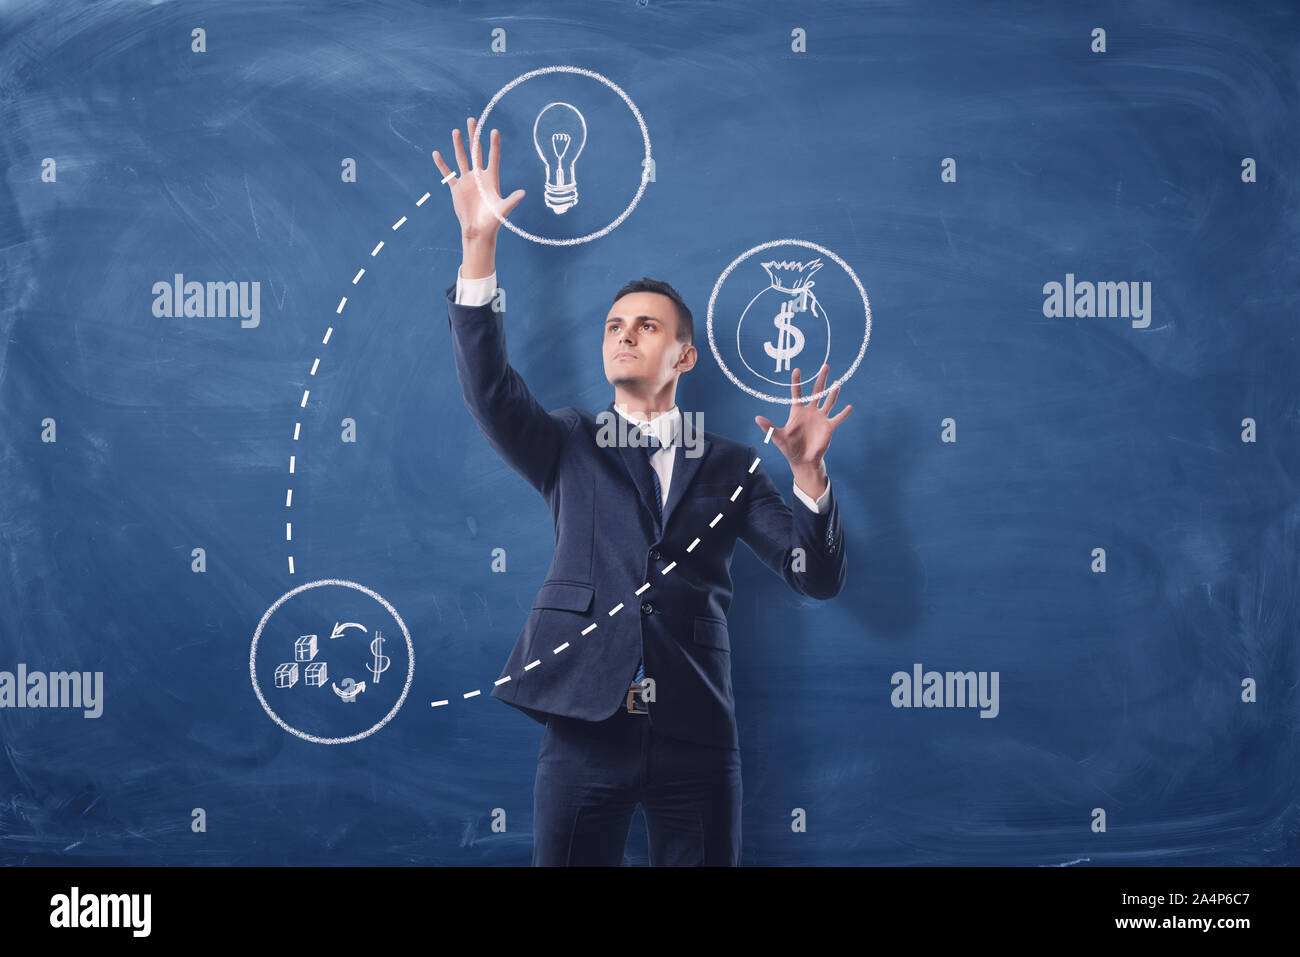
pixel 635 703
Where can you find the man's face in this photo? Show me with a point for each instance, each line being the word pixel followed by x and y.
pixel 641 348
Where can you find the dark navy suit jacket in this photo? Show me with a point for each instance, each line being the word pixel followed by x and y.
pixel 609 542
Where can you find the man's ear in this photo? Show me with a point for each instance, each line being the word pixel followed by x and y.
pixel 687 361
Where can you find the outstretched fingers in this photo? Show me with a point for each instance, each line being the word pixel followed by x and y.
pixel 829 399
pixel 461 159
pixel 821 379
pixel 494 158
pixel 764 423
pixel 442 166
pixel 476 145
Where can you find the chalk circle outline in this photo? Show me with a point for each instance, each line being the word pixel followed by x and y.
pixel 410 662
pixel 645 167
pixel 789 399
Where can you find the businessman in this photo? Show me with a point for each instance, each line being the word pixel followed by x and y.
pixel 625 655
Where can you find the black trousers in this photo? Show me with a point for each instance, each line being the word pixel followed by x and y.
pixel 592 775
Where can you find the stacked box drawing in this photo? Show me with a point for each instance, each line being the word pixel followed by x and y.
pixel 286 675
pixel 315 675
pixel 304 649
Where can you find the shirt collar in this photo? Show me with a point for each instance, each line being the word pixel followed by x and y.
pixel 666 426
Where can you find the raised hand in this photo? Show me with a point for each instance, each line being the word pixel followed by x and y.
pixel 477 219
pixel 806 435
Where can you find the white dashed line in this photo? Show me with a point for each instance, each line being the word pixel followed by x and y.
pixel 297 432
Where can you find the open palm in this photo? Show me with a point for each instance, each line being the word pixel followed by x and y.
pixel 480 213
pixel 807 432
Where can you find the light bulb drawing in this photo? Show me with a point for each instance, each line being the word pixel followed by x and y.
pixel 560 133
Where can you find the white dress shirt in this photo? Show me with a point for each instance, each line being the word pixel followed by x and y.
pixel 666 426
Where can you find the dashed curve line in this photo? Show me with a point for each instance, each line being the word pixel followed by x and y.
pixel 315 366
pixel 297 432
pixel 618 607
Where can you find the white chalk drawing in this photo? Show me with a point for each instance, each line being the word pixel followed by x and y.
pixel 777 315
pixel 286 674
pixel 381 662
pixel 316 674
pixel 790 305
pixel 304 649
pixel 646 166
pixel 560 133
pixel 350 689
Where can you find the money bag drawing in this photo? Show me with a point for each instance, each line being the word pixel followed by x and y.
pixel 788 326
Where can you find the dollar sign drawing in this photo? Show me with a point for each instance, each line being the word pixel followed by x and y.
pixel 347 686
pixel 382 661
pixel 789 340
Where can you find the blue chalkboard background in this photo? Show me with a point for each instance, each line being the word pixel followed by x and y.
pixel 1119 690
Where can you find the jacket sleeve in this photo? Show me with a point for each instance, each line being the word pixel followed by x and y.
pixel 519 430
pixel 772 530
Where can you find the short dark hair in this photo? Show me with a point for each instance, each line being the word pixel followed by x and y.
pixel 685 322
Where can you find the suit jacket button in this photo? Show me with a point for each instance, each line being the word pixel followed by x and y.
pixel 654 555
pixel 646 607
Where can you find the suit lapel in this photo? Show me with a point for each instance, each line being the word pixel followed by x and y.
pixel 637 463
pixel 684 469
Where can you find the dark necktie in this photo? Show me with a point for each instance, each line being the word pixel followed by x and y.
pixel 652 446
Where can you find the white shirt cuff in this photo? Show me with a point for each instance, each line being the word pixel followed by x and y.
pixel 475 292
pixel 818 506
